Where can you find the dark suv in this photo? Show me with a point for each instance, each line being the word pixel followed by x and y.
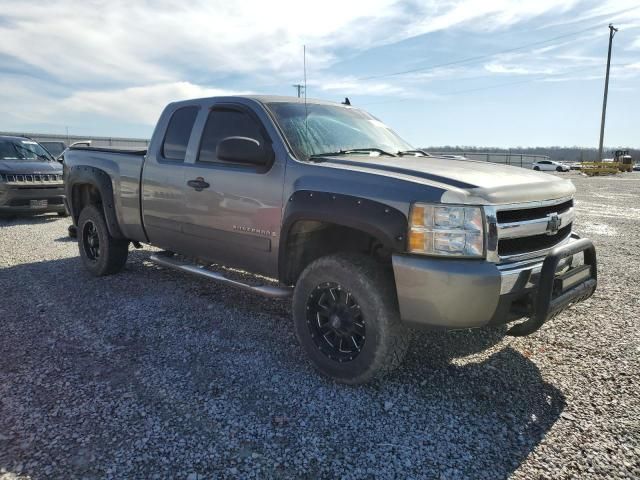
pixel 30 178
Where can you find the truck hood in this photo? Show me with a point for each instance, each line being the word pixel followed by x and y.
pixel 465 181
pixel 29 167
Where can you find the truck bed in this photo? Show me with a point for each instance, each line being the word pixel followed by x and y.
pixel 123 168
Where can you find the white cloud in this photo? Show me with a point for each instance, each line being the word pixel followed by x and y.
pixel 138 43
pixel 350 85
pixel 516 70
pixel 125 60
pixel 487 14
pixel 143 42
pixel 139 104
pixel 635 45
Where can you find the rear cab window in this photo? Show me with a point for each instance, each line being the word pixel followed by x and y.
pixel 178 132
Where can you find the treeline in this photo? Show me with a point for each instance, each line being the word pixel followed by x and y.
pixel 562 154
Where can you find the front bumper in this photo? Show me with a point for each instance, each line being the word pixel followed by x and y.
pixel 470 293
pixel 16 199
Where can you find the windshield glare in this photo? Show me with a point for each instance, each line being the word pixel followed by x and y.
pixel 331 128
pixel 22 150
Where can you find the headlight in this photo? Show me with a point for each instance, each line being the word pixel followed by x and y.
pixel 446 230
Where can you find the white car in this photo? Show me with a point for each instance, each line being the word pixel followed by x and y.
pixel 550 165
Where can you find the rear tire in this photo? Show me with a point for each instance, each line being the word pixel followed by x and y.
pixel 346 318
pixel 63 214
pixel 101 253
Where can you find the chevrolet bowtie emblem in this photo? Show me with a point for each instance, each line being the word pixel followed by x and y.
pixel 554 223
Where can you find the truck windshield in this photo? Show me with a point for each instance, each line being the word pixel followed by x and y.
pixel 333 128
pixel 17 149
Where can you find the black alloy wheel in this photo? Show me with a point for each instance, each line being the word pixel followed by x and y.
pixel 91 241
pixel 336 322
pixel 346 318
pixel 101 253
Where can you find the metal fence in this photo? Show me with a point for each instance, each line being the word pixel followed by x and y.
pixel 115 142
pixel 524 160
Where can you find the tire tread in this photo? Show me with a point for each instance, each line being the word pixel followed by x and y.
pixel 395 337
pixel 116 250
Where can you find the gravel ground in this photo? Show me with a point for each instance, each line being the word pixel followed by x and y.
pixel 153 374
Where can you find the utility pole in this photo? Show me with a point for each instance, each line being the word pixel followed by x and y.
pixel 612 32
pixel 300 88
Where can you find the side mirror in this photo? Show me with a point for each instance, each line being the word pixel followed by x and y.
pixel 243 150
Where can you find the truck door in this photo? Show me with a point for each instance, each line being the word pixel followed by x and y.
pixel 233 210
pixel 163 192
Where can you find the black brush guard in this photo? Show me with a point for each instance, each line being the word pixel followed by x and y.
pixel 552 296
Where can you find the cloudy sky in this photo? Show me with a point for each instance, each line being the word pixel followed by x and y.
pixel 458 72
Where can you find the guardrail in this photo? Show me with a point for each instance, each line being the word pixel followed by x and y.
pixel 524 160
pixel 96 141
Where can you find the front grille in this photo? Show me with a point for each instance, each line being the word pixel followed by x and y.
pixel 510 216
pixel 518 246
pixel 31 177
pixel 528 232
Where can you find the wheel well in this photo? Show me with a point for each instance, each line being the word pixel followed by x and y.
pixel 308 240
pixel 83 195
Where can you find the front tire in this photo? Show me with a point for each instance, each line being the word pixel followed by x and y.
pixel 559 169
pixel 536 168
pixel 346 318
pixel 101 253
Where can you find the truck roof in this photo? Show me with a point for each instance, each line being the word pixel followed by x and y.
pixel 264 99
pixel 288 99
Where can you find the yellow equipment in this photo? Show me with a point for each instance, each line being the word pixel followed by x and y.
pixel 599 168
pixel 623 160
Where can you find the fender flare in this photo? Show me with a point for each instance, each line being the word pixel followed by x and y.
pixel 101 181
pixel 387 224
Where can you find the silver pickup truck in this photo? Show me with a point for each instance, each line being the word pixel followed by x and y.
pixel 369 236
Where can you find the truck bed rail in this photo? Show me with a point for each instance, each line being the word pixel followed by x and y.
pixel 110 150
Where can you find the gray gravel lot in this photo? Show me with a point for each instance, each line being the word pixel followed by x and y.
pixel 153 374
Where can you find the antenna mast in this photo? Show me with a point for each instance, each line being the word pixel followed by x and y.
pixel 304 66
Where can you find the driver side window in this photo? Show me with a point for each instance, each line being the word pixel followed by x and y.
pixel 223 123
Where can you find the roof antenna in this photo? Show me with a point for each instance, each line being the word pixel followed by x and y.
pixel 304 64
pixel 346 101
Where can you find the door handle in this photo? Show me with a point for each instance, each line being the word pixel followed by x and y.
pixel 198 184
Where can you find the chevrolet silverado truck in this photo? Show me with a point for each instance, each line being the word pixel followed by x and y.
pixel 370 237
pixel 30 178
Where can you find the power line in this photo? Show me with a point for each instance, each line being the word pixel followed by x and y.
pixel 499 85
pixel 479 57
pixel 299 87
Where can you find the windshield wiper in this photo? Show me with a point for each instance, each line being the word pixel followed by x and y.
pixel 364 150
pixel 317 156
pixel 413 152
pixel 42 157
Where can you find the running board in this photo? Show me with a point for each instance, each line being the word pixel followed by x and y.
pixel 201 271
